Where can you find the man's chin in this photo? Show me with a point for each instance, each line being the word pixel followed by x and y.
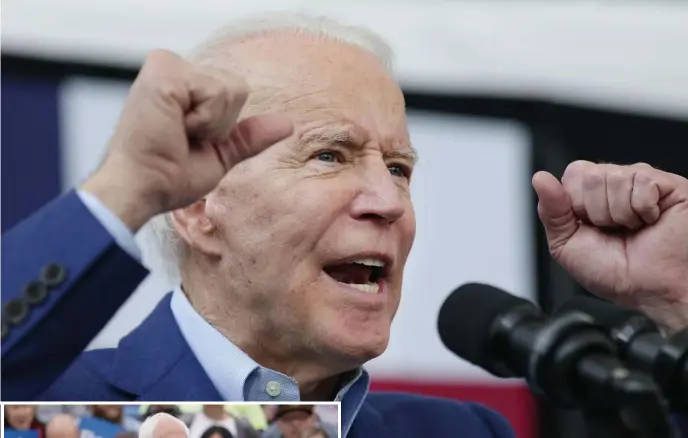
pixel 355 352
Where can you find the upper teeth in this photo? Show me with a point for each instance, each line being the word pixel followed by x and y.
pixel 370 262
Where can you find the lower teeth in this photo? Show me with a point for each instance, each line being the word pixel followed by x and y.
pixel 368 287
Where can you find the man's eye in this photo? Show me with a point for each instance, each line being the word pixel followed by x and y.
pixel 398 170
pixel 327 156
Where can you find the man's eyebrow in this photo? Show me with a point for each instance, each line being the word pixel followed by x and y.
pixel 409 154
pixel 343 136
pixel 349 138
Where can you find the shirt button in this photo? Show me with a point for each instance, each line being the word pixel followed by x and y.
pixel 273 389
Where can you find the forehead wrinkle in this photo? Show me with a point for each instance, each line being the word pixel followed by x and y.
pixel 301 101
pixel 341 135
pixel 303 87
pixel 288 66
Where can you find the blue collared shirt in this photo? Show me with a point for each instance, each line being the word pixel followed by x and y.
pixel 236 376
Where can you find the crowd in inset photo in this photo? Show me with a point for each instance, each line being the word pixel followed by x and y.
pixel 203 421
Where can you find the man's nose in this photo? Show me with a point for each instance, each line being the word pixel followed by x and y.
pixel 380 196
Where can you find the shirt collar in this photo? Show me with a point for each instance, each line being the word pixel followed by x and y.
pixel 225 364
pixel 237 377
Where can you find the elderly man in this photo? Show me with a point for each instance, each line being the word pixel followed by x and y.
pixel 162 425
pixel 62 426
pixel 281 152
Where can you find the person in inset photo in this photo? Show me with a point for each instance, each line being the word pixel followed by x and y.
pixel 115 414
pixel 292 421
pixel 23 417
pixel 63 426
pixel 173 410
pixel 214 420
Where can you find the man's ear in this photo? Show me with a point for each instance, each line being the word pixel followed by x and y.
pixel 193 225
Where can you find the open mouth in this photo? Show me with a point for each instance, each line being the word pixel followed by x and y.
pixel 365 275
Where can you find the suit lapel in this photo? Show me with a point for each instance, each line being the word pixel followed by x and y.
pixel 155 362
pixel 368 422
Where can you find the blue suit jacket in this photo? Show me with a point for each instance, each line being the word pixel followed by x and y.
pixel 63 279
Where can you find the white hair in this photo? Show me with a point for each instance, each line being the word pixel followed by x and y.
pixel 162 248
pixel 148 426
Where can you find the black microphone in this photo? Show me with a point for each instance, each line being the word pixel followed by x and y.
pixel 568 360
pixel 641 344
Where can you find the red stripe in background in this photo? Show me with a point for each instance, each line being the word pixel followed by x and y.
pixel 516 403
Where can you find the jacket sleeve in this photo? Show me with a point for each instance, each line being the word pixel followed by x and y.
pixel 63 278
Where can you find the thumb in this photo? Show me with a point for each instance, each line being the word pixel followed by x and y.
pixel 555 211
pixel 253 135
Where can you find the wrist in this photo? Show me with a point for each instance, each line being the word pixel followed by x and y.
pixel 125 202
pixel 672 316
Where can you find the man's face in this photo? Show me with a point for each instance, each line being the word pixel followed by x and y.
pixel 299 226
pixel 214 410
pixel 294 424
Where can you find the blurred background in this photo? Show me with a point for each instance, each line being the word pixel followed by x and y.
pixel 240 420
pixel 495 91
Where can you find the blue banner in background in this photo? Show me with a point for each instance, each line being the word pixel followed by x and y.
pixel 95 428
pixel 30 146
pixel 11 433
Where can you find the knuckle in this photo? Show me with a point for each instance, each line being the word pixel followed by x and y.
pixel 159 59
pixel 156 56
pixel 644 166
pixel 162 75
pixel 642 177
pixel 169 89
pixel 578 166
pixel 593 178
pixel 238 89
pixel 574 171
pixel 618 174
pixel 616 178
pixel 238 97
pixel 231 89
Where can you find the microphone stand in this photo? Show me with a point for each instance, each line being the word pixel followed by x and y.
pixel 617 401
pixel 629 403
pixel 633 408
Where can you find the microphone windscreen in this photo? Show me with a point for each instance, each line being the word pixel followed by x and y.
pixel 606 314
pixel 466 318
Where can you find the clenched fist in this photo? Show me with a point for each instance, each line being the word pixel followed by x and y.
pixel 177 137
pixel 622 233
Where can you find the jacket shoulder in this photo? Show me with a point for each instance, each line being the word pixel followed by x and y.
pixel 86 380
pixel 411 414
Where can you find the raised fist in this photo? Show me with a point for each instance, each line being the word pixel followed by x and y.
pixel 177 137
pixel 622 233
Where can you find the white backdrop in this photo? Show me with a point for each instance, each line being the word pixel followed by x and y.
pixel 624 55
pixel 471 191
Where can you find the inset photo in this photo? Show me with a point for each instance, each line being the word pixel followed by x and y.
pixel 212 420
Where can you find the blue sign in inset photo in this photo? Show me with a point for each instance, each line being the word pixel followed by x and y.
pixel 11 433
pixel 95 428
